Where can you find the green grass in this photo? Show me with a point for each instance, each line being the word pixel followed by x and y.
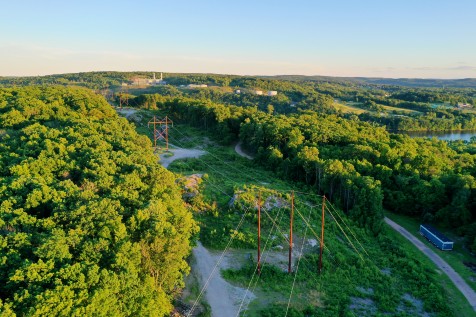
pixel 349 108
pixel 408 111
pixel 454 258
pixel 456 300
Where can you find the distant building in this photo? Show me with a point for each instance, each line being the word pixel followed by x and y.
pixel 258 92
pixel 464 105
pixel 155 81
pixel 148 82
pixel 197 85
pixel 238 91
pixel 272 93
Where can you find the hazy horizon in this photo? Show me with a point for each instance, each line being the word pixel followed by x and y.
pixel 224 74
pixel 404 39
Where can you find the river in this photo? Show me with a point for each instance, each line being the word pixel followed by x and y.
pixel 443 135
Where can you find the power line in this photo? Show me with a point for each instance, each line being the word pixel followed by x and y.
pixel 297 266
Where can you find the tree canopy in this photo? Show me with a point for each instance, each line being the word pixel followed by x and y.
pixel 90 224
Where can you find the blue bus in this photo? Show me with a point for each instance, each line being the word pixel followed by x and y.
pixel 435 237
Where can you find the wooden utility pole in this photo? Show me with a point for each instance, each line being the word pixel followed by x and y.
pixel 123 97
pixel 322 233
pixel 162 131
pixel 259 233
pixel 291 232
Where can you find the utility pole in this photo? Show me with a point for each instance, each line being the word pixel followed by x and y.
pixel 291 232
pixel 123 97
pixel 162 131
pixel 259 233
pixel 322 233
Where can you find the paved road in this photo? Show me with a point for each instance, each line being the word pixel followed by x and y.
pixel 442 265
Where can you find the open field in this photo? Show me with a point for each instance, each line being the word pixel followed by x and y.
pixel 408 111
pixel 347 108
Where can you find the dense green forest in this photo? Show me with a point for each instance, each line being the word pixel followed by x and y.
pixel 90 224
pixel 360 166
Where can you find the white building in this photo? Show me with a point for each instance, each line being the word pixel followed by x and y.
pixel 155 81
pixel 464 105
pixel 137 81
pixel 272 93
pixel 237 91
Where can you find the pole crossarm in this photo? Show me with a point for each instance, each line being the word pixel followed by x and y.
pixel 161 130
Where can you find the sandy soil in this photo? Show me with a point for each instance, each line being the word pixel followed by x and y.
pixel 179 153
pixel 126 112
pixel 224 299
pixel 445 267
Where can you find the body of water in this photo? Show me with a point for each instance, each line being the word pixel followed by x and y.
pixel 443 135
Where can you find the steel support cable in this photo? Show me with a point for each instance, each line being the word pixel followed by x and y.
pixel 267 214
pixel 297 266
pixel 347 237
pixel 318 281
pixel 229 179
pixel 316 236
pixel 224 176
pixel 265 255
pixel 215 267
pixel 256 268
pixel 350 230
pixel 316 195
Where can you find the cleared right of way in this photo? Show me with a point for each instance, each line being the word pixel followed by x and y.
pixel 442 265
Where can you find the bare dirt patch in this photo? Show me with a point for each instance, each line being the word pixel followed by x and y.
pixel 179 153
pixel 126 112
pixel 224 299
pixel 240 151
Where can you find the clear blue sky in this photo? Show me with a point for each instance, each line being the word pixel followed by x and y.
pixel 384 38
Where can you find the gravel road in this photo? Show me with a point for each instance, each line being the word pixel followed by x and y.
pixel 240 152
pixel 180 154
pixel 442 265
pixel 224 299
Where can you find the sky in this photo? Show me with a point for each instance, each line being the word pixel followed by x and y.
pixel 368 38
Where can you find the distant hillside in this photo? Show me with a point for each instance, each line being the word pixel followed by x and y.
pixel 407 82
pixel 101 80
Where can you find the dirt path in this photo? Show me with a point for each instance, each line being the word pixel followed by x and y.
pixel 179 153
pixel 126 112
pixel 240 152
pixel 445 267
pixel 224 299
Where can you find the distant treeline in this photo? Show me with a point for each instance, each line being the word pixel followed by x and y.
pixel 434 105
